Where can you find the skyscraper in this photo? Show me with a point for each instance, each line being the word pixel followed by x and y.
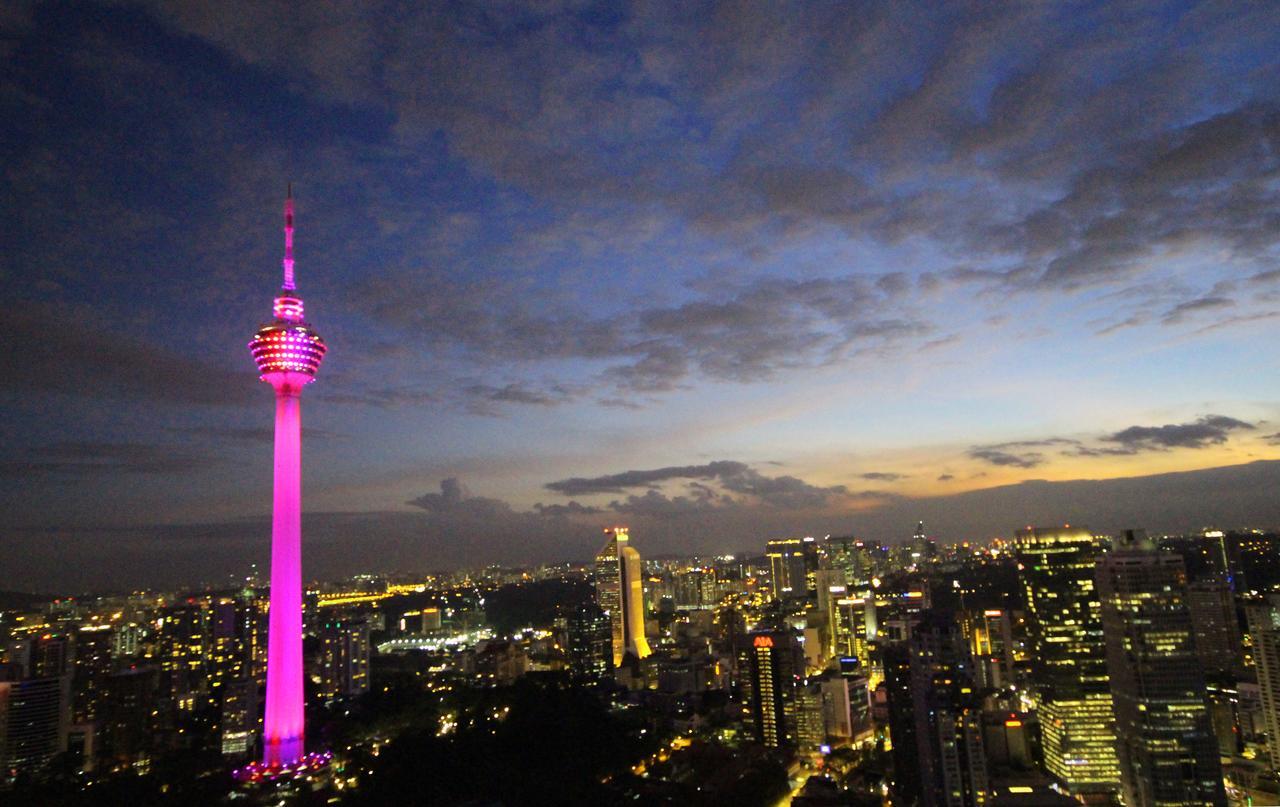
pixel 792 562
pixel 1168 753
pixel 589 645
pixel 770 667
pixel 620 592
pixel 288 353
pixel 948 715
pixel 1055 567
pixel 344 658
pixel 1213 617
pixel 1264 627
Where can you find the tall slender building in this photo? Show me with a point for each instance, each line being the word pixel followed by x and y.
pixel 1073 695
pixel 1167 749
pixel 770 670
pixel 288 353
pixel 948 715
pixel 620 592
pixel 1264 628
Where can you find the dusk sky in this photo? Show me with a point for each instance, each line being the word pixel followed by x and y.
pixel 721 271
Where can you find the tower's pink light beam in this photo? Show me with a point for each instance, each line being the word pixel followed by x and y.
pixel 283 731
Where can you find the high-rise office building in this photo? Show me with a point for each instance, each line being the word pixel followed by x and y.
pixel 238 717
pixel 770 666
pixel 620 592
pixel 895 659
pixel 1264 628
pixel 33 722
pixel 846 709
pixel 344 658
pixel 288 353
pixel 923 548
pixel 135 717
pixel 1217 629
pixel 948 715
pixel 990 636
pixel 93 666
pixel 589 647
pixel 792 562
pixel 1069 665
pixel 1167 750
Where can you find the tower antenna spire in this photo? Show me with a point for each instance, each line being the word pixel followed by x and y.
pixel 288 240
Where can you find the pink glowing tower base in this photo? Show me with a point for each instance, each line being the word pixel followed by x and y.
pixel 285 720
pixel 288 354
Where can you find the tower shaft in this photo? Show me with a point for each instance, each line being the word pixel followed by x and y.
pixel 283 731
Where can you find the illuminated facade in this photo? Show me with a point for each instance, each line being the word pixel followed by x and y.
pixel 344 658
pixel 948 716
pixel 620 592
pixel 770 667
pixel 792 562
pixel 590 645
pixel 1055 568
pixel 1168 753
pixel 1264 628
pixel 288 354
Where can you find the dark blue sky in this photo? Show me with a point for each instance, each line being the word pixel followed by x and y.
pixel 760 267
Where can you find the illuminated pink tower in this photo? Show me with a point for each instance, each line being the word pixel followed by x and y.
pixel 288 354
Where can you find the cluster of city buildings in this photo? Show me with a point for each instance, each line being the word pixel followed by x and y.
pixel 1057 666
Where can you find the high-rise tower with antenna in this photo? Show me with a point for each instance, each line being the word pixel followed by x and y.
pixel 288 353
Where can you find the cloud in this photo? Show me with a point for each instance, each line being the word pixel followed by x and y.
pixel 653 504
pixel 1203 432
pixel 573 508
pixel 1015 454
pixel 86 458
pixel 454 499
pixel 55 349
pixel 1182 311
pixel 995 456
pixel 946 477
pixel 620 482
pixel 882 476
pixel 483 396
pixel 785 492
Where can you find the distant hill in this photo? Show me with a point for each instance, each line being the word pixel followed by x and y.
pixel 21 600
pixel 1228 497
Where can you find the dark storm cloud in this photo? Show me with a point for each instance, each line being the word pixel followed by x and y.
pixel 655 505
pixel 1203 432
pixel 785 492
pixel 92 458
pixel 618 483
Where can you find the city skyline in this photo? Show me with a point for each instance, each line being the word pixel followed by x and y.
pixel 724 276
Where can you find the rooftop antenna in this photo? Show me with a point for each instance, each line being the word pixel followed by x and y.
pixel 288 240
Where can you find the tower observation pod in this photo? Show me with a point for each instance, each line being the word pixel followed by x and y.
pixel 288 353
